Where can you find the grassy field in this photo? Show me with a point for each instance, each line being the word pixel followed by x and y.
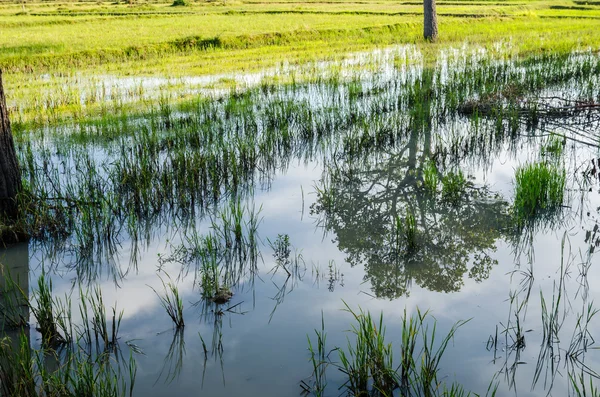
pixel 46 47
pixel 205 37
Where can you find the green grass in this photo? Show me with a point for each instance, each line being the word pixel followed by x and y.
pixel 44 311
pixel 209 38
pixel 171 301
pixel 453 186
pixel 431 177
pixel 406 236
pixel 172 158
pixel 539 188
pixel 67 363
pixel 370 363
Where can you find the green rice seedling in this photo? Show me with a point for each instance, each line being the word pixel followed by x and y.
pixel 430 176
pixel 369 358
pixel 99 376
pixel 44 312
pixel 406 233
pixel 17 373
pixel 319 361
pixel 210 278
pixel 252 224
pixel 28 372
pixel 64 321
pixel 453 187
pixel 406 368
pixel 171 302
pixel 583 388
pixel 237 213
pixel 539 187
pixel 104 330
pixel 431 353
pixel 14 302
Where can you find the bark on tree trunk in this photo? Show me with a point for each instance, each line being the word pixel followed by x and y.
pixel 10 175
pixel 430 30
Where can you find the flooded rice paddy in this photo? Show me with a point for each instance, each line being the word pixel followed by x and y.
pixel 469 189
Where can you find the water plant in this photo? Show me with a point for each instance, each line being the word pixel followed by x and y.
pixel 319 361
pixel 171 301
pixel 453 186
pixel 281 251
pixel 406 233
pixel 43 309
pixel 97 327
pixel 368 359
pixel 63 365
pixel 430 176
pixel 539 188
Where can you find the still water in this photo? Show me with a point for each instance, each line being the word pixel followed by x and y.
pixel 336 199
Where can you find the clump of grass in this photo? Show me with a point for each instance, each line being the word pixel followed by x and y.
pixel 104 329
pixel 214 287
pixel 538 187
pixel 430 176
pixel 453 186
pixel 23 372
pixel 179 3
pixel 369 364
pixel 17 375
pixel 80 370
pixel 406 233
pixel 43 310
pixel 171 301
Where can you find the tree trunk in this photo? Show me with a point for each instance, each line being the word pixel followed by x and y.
pixel 430 30
pixel 10 175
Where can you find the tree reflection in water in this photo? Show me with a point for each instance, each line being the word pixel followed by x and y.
pixel 359 202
